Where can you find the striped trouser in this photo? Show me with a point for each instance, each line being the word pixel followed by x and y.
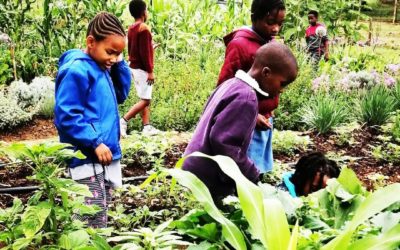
pixel 102 191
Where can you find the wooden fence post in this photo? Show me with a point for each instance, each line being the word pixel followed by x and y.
pixel 395 11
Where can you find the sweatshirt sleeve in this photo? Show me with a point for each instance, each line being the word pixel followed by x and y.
pixel 232 127
pixel 146 50
pixel 232 63
pixel 73 87
pixel 121 77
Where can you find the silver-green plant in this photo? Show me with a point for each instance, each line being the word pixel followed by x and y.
pixel 148 239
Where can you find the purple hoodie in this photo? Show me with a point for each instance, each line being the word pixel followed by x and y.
pixel 225 128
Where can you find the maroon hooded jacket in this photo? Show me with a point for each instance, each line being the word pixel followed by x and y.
pixel 241 46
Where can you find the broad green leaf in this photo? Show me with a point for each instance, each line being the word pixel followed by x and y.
pixel 33 219
pixel 372 205
pixel 207 232
pixel 350 182
pixel 386 220
pixel 74 240
pixel 250 195
pixel 277 233
pixel 72 187
pixel 231 233
pixel 100 243
pixel 21 243
pixel 294 237
pixel 386 241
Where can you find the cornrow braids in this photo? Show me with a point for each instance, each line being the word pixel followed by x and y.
pixel 261 8
pixel 103 25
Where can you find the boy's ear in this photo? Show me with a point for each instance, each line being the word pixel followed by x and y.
pixel 266 72
pixel 90 41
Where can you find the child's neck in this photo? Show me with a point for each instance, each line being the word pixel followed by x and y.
pixel 139 20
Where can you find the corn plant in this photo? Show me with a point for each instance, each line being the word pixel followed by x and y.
pixel 266 217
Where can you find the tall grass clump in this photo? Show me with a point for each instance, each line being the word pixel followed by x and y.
pixel 376 106
pixel 396 94
pixel 324 112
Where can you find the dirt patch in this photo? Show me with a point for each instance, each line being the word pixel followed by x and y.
pixel 356 154
pixel 39 128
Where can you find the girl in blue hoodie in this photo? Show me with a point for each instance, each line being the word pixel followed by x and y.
pixel 89 86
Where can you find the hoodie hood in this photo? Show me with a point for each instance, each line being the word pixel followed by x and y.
pixel 244 32
pixel 72 55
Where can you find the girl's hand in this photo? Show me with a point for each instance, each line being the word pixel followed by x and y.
pixel 263 122
pixel 150 79
pixel 120 57
pixel 104 154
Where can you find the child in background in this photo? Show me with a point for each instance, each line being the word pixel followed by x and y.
pixel 141 57
pixel 311 174
pixel 267 18
pixel 229 118
pixel 316 38
pixel 89 86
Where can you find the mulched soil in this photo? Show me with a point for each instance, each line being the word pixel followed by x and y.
pixel 365 165
pixel 39 128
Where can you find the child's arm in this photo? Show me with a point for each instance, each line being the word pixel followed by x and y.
pixel 232 62
pixel 232 127
pixel 146 51
pixel 121 77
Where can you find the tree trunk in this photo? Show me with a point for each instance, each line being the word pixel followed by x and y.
pixel 395 11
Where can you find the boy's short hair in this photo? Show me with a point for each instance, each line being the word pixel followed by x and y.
pixel 137 8
pixel 261 8
pixel 313 12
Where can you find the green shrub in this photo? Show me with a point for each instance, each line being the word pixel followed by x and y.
pixel 6 72
pixel 396 128
pixel 180 91
pixel 295 97
pixel 324 112
pixel 396 93
pixel 287 142
pixel 46 108
pixel 376 106
pixel 11 114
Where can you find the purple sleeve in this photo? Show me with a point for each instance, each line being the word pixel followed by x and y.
pixel 230 135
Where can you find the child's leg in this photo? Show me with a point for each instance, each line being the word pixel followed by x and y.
pixel 97 187
pixel 146 115
pixel 138 107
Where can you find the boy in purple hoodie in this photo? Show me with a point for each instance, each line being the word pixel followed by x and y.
pixel 229 118
pixel 267 17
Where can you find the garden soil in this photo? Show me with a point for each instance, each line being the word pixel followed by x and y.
pixel 358 157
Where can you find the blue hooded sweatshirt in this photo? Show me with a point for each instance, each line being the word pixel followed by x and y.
pixel 86 109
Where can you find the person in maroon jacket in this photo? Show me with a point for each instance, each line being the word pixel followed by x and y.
pixel 267 18
pixel 141 57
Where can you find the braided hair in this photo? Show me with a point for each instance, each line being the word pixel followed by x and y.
pixel 103 25
pixel 307 168
pixel 262 8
